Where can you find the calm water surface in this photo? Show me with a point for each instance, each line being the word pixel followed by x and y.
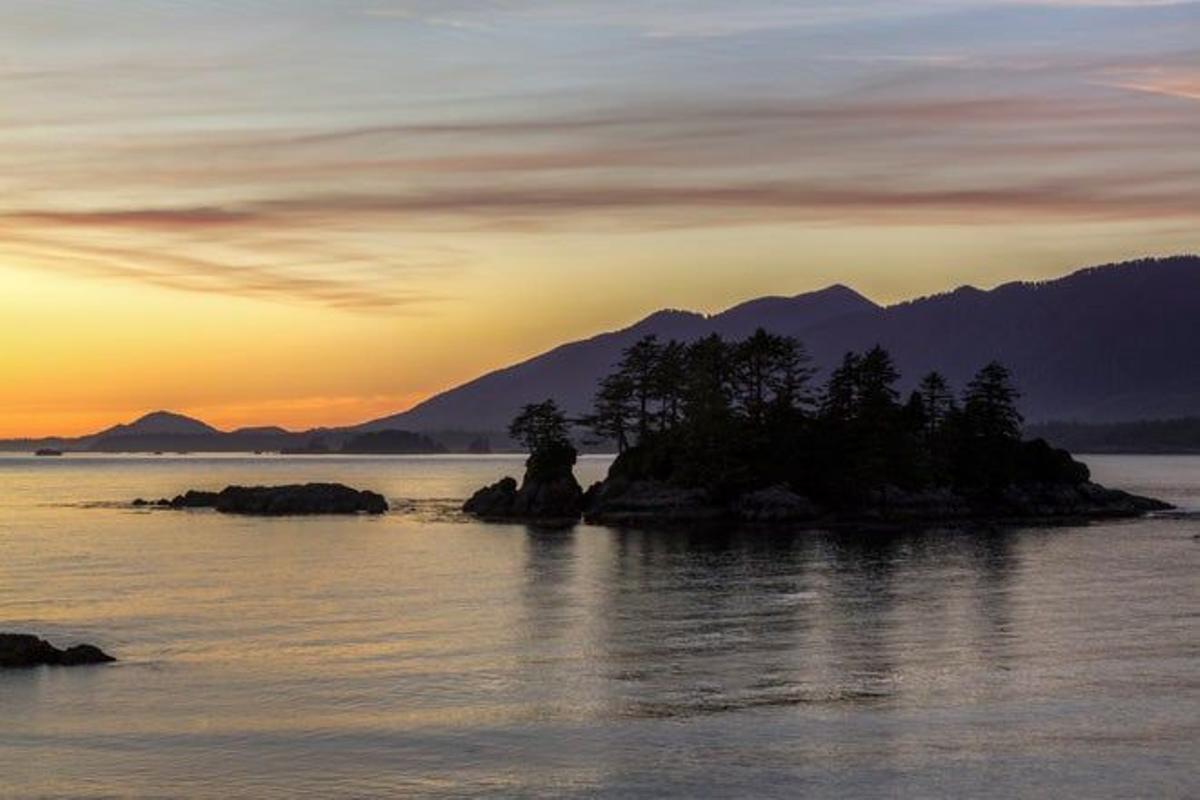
pixel 422 654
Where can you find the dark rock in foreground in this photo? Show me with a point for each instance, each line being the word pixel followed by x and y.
pixel 278 501
pixel 25 650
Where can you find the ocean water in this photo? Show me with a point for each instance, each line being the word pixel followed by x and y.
pixel 422 654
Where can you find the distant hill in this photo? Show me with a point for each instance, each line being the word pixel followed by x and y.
pixel 167 432
pixel 159 423
pixel 1115 342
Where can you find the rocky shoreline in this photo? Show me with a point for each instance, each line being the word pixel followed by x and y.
pixel 623 502
pixel 619 502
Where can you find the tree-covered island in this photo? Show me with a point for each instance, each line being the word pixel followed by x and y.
pixel 716 430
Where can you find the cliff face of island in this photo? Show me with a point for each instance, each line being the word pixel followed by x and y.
pixel 720 431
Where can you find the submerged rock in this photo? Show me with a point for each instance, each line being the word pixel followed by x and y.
pixel 26 650
pixel 273 501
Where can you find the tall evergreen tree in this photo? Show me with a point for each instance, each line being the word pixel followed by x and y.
pixel 669 378
pixel 639 365
pixel 753 360
pixel 790 378
pixel 707 395
pixel 769 372
pixel 937 402
pixel 840 400
pixel 990 404
pixel 615 412
pixel 876 383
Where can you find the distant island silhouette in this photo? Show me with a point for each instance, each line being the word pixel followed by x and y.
pixel 167 432
pixel 720 430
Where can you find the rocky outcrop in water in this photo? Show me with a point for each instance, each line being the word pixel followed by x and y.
pixel 553 500
pixel 19 650
pixel 276 501
pixel 548 494
pixel 495 501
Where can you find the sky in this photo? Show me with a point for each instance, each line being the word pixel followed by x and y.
pixel 311 212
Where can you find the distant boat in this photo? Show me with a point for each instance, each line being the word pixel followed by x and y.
pixel 48 451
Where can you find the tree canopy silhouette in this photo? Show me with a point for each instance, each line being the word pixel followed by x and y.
pixel 734 416
pixel 543 430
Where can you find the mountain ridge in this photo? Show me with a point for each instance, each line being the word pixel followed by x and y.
pixel 1107 343
pixel 569 371
pixel 1100 343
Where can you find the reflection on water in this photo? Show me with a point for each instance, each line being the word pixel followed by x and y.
pixel 423 654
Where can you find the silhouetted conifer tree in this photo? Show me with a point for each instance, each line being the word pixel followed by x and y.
pixel 543 430
pixel 937 402
pixel 639 365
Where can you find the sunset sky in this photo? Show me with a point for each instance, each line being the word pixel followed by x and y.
pixel 303 212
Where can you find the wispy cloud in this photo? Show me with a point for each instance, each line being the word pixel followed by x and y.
pixel 1162 80
pixel 170 269
pixel 137 218
pixel 352 128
